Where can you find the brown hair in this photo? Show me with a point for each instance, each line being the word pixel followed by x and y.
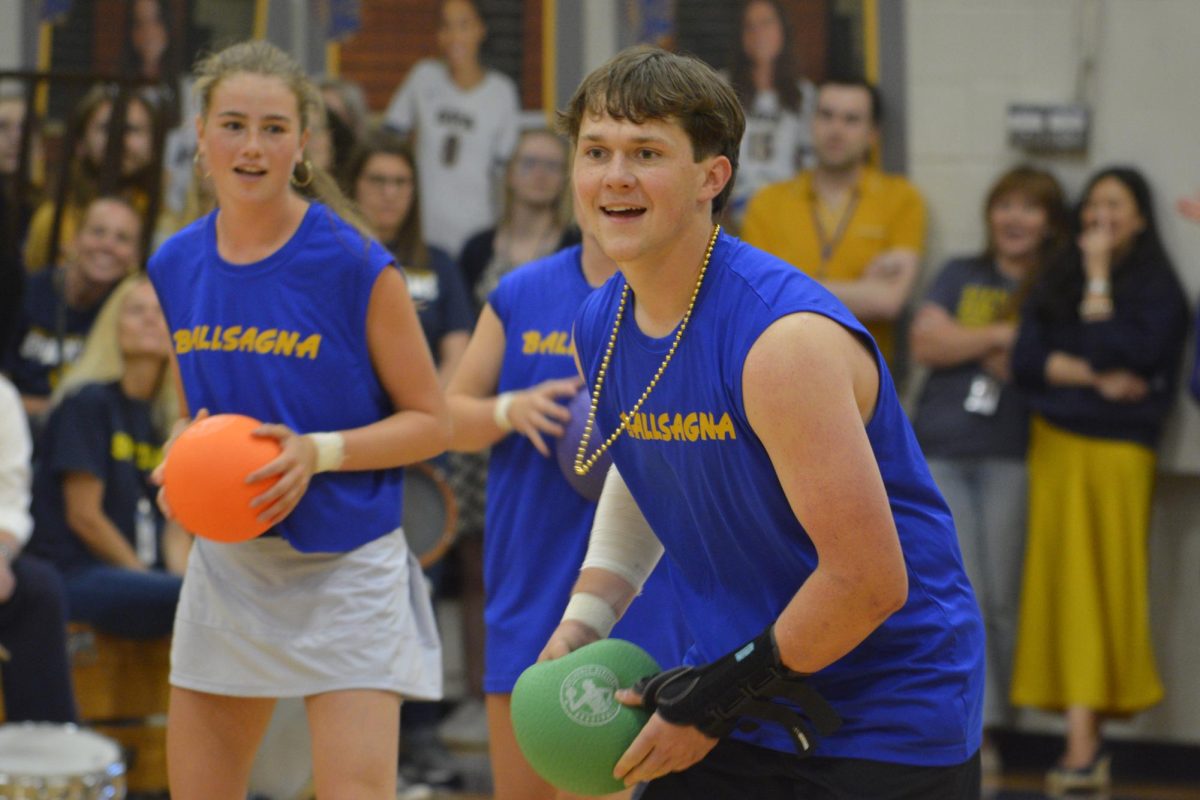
pixel 562 205
pixel 84 180
pixel 785 72
pixel 1045 191
pixel 409 245
pixel 647 83
pixel 258 57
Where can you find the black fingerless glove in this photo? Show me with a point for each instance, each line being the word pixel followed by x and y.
pixel 737 689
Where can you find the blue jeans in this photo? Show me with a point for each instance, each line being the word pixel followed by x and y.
pixel 987 497
pixel 123 602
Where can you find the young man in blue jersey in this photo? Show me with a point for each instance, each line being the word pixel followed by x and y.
pixel 757 437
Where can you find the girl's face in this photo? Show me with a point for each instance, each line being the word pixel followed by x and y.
pixel 385 191
pixel 251 138
pixel 1018 225
pixel 1111 206
pixel 762 33
pixel 141 329
pixel 139 146
pixel 539 170
pixel 460 33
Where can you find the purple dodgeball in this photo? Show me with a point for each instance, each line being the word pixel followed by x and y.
pixel 568 445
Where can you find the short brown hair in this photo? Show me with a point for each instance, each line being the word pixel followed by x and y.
pixel 1045 191
pixel 647 83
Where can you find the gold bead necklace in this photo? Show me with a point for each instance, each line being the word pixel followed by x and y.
pixel 582 465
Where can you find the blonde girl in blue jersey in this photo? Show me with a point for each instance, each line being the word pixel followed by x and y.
pixel 322 606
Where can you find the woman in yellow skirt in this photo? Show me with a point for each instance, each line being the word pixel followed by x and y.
pixel 1097 354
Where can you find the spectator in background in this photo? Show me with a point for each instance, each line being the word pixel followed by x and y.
pixel 972 426
pixel 61 303
pixel 16 207
pixel 1097 356
pixel 93 504
pixel 777 99
pixel 382 178
pixel 137 172
pixel 535 220
pixel 33 617
pixel 464 118
pixel 149 39
pixel 857 230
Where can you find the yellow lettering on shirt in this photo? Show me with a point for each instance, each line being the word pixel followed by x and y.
pixel 554 343
pixel 285 343
pixel 265 341
pixel 269 341
pixel 309 347
pixel 693 426
pixel 982 305
pixel 229 340
pixel 123 447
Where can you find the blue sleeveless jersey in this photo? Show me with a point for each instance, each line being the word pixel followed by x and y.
pixel 537 525
pixel 912 691
pixel 283 340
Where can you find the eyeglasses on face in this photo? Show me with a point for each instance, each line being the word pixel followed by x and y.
pixel 381 182
pixel 530 163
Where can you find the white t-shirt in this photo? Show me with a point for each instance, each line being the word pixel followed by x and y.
pixel 462 138
pixel 15 452
pixel 776 145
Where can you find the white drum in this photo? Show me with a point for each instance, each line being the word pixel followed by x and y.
pixel 45 761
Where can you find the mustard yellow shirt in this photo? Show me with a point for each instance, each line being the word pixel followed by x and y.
pixel 884 212
pixel 38 237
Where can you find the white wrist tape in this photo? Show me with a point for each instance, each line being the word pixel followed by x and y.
pixel 622 541
pixel 592 611
pixel 504 401
pixel 331 450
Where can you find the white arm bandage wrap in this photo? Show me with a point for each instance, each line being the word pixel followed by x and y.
pixel 500 411
pixel 331 450
pixel 622 541
pixel 592 611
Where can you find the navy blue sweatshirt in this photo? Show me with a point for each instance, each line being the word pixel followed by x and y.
pixel 1144 335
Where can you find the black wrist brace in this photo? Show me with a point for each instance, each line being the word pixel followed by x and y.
pixel 718 697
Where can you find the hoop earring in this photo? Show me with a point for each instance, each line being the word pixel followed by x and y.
pixel 309 174
pixel 197 167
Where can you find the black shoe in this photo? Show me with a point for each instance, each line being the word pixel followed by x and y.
pixel 426 760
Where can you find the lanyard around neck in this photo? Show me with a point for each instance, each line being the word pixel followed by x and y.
pixel 829 243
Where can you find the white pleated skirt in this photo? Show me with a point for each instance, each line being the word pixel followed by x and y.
pixel 261 619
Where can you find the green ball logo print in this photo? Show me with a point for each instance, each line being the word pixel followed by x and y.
pixel 587 695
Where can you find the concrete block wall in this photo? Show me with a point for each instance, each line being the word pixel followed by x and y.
pixel 966 61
